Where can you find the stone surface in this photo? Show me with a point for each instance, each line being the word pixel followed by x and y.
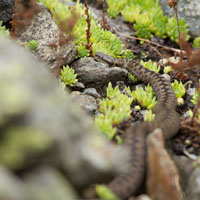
pixel 46 32
pixel 6 10
pixel 92 92
pixel 142 197
pixel 193 188
pixel 162 175
pixel 87 102
pixel 40 124
pixel 187 9
pixel 185 168
pixel 96 74
pixel 11 187
pixel 48 183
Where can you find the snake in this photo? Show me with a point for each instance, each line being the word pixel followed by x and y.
pixel 166 118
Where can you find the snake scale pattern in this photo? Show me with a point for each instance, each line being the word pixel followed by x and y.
pixel 166 118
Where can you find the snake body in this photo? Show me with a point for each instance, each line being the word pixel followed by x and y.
pixel 166 118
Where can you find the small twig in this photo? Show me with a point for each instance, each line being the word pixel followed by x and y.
pixel 153 43
pixel 173 4
pixel 88 33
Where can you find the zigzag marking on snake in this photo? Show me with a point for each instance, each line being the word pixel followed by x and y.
pixel 166 118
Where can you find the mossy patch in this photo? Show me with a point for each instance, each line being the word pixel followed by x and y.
pixel 19 142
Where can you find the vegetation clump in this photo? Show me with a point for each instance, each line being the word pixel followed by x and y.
pixel 114 108
pixel 196 42
pixel 179 91
pixel 102 40
pixel 33 45
pixel 148 18
pixel 195 97
pixel 3 30
pixel 68 76
pixel 105 193
pixel 144 97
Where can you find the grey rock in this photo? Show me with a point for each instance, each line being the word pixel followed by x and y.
pixel 11 187
pixel 96 74
pixel 87 102
pixel 6 10
pixel 187 114
pixel 45 31
pixel 187 9
pixel 143 197
pixel 185 168
pixel 40 124
pixel 92 92
pixel 191 91
pixel 48 183
pixel 79 85
pixel 193 190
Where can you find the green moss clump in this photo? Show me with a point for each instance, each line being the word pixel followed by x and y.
pixel 68 76
pixel 33 45
pixel 172 30
pixel 115 6
pixel 114 109
pixel 148 18
pixel 102 40
pixel 149 116
pixel 105 193
pixel 144 97
pixel 179 91
pixel 18 142
pixel 3 30
pixel 195 97
pixel 196 42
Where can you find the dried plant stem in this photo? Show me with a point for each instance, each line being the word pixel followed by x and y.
pixel 88 33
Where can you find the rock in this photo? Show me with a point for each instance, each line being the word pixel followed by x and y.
pixel 141 197
pixel 87 102
pixel 41 125
pixel 189 10
pixel 191 91
pixel 78 85
pixel 193 189
pixel 48 183
pixel 46 32
pixel 96 74
pixel 6 10
pixel 91 92
pixel 11 187
pixel 185 168
pixel 162 176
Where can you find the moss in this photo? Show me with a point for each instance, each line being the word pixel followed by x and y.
pixel 179 91
pixel 33 45
pixel 196 42
pixel 3 30
pixel 172 30
pixel 105 193
pixel 114 109
pixel 68 76
pixel 102 40
pixel 144 97
pixel 19 142
pixel 195 97
pixel 148 18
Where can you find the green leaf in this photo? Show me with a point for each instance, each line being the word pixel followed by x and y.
pixel 105 193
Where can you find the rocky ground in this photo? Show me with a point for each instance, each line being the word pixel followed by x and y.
pixel 49 148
